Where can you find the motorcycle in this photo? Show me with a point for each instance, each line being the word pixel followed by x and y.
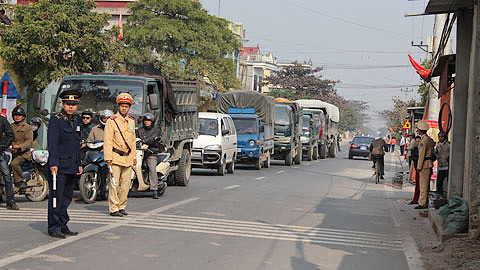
pixel 140 175
pixel 35 173
pixel 93 181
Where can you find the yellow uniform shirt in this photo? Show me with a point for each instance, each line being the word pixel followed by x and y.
pixel 113 140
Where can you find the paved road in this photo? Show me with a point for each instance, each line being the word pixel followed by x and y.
pixel 327 214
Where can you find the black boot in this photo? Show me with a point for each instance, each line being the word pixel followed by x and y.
pixel 11 205
pixel 155 194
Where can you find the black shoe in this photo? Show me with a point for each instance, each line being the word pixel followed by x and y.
pixel 412 202
pixel 373 167
pixel 155 194
pixel 381 177
pixel 421 207
pixel 123 212
pixel 22 184
pixel 12 206
pixel 57 235
pixel 116 214
pixel 69 233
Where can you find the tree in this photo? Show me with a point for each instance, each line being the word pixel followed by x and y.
pixel 424 89
pixel 182 41
pixel 54 38
pixel 297 82
pixel 396 117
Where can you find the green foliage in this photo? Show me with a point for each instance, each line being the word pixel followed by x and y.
pixel 424 89
pixel 397 116
pixel 54 38
pixel 297 82
pixel 189 43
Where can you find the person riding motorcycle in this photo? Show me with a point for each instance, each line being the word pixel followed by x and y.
pixel 36 123
pixel 86 127
pixel 377 148
pixel 21 145
pixel 150 136
pixel 98 131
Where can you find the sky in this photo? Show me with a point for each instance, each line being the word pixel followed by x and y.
pixel 362 44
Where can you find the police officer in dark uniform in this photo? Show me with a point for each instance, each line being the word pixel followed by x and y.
pixel 64 161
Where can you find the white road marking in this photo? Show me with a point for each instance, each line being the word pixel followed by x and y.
pixel 317 161
pixel 261 178
pixel 306 163
pixel 59 243
pixel 280 171
pixel 295 167
pixel 231 187
pixel 213 214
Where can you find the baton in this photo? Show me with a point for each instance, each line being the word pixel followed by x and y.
pixel 111 175
pixel 54 190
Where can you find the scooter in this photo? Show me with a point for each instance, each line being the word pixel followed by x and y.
pixel 35 173
pixel 93 181
pixel 140 181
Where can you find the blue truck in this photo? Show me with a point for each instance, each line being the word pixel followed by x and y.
pixel 253 115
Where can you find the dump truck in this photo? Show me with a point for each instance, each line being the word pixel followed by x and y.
pixel 329 129
pixel 312 131
pixel 288 130
pixel 173 103
pixel 253 115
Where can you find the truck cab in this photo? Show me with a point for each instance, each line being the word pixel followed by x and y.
pixel 250 136
pixel 311 133
pixel 288 129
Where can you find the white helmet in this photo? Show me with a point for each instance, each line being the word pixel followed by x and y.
pixel 105 114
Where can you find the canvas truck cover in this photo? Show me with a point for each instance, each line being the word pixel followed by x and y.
pixel 264 105
pixel 331 110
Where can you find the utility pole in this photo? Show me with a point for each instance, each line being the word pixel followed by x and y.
pixel 406 91
pixel 218 8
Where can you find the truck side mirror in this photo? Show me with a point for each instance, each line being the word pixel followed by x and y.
pixel 153 101
pixel 225 132
pixel 37 101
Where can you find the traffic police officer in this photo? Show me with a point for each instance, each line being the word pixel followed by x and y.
pixel 64 161
pixel 425 163
pixel 120 153
pixel 21 145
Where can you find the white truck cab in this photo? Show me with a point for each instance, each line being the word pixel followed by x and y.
pixel 216 145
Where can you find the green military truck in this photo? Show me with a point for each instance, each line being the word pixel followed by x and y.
pixel 312 133
pixel 288 129
pixel 173 103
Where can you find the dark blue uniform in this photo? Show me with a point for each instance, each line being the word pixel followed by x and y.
pixel 64 152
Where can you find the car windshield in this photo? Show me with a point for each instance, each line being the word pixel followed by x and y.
pixel 282 115
pixel 208 126
pixel 100 95
pixel 362 140
pixel 245 125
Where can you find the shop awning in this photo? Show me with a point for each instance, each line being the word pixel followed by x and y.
pixel 447 6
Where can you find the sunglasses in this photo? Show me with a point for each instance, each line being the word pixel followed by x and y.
pixel 86 117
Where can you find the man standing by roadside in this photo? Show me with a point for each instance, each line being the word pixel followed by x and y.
pixel 442 152
pixel 6 138
pixel 119 150
pixel 425 163
pixel 339 139
pixel 403 141
pixel 64 163
pixel 21 145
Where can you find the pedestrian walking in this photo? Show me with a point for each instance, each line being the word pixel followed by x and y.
pixel 388 142
pixel 339 139
pixel 442 152
pixel 6 138
pixel 119 150
pixel 64 162
pixel 393 142
pixel 414 159
pixel 425 163
pixel 403 142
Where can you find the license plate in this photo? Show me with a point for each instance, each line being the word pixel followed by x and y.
pixel 363 148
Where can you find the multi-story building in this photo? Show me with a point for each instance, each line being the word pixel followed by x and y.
pixel 255 68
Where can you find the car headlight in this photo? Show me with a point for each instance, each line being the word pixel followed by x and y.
pixel 213 147
pixel 251 143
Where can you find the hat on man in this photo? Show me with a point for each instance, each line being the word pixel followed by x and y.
pixel 71 96
pixel 422 125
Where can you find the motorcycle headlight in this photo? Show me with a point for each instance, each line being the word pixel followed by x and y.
pixel 95 144
pixel 213 147
pixel 251 143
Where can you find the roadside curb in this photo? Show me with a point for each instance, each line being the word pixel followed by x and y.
pixel 437 225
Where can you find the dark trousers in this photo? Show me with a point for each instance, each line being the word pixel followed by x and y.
pixel 416 195
pixel 7 178
pixel 393 147
pixel 379 159
pixel 441 176
pixel 402 149
pixel 58 217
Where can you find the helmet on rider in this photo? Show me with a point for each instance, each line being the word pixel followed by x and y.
pixel 18 111
pixel 36 123
pixel 104 116
pixel 148 117
pixel 124 98
pixel 87 112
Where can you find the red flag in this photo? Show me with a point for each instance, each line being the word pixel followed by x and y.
pixel 120 25
pixel 423 72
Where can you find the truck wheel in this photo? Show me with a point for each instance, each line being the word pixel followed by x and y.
pixel 323 151
pixel 298 157
pixel 332 152
pixel 258 164
pixel 40 190
pixel 350 156
pixel 223 168
pixel 182 174
pixel 289 159
pixel 310 153
pixel 315 153
pixel 231 167
pixel 88 187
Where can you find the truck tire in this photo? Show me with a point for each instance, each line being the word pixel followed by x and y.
pixel 298 157
pixel 332 151
pixel 222 170
pixel 231 167
pixel 258 163
pixel 315 153
pixel 323 151
pixel 289 158
pixel 182 174
pixel 310 153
